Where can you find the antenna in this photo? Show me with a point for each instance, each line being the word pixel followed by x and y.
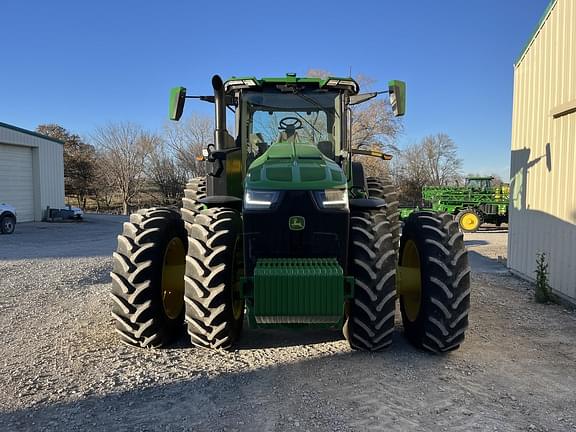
pixel 350 73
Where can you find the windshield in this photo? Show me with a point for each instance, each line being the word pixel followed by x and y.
pixel 478 183
pixel 309 117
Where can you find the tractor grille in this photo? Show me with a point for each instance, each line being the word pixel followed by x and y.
pixel 267 233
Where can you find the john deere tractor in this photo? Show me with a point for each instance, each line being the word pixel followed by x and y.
pixel 285 230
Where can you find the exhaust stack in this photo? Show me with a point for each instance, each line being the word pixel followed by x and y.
pixel 220 131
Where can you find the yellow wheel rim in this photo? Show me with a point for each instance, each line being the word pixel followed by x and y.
pixel 409 280
pixel 469 221
pixel 173 278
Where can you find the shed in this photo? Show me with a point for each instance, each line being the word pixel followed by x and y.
pixel 543 160
pixel 31 172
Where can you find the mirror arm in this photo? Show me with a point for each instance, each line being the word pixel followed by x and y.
pixel 230 101
pixel 374 153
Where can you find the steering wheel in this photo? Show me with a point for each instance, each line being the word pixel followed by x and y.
pixel 294 123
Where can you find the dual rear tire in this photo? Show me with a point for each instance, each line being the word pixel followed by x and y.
pixel 170 268
pixel 434 282
pixel 148 278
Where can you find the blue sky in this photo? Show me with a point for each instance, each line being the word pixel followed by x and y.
pixel 82 64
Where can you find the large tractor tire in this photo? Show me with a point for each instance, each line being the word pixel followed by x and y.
pixel 469 220
pixel 195 190
pixel 370 313
pixel 433 282
pixel 148 278
pixel 384 189
pixel 214 266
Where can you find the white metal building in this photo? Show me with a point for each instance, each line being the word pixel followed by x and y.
pixel 31 172
pixel 543 162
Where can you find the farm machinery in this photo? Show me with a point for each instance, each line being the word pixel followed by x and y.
pixel 477 202
pixel 285 230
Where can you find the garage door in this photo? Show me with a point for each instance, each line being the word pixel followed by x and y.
pixel 16 186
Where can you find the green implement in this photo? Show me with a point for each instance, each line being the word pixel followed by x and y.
pixel 473 204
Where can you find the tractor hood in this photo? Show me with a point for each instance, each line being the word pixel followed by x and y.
pixel 294 166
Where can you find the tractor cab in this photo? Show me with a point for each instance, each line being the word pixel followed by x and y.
pixel 291 115
pixel 299 114
pixel 479 183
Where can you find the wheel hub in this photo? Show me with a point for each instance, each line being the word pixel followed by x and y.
pixel 173 269
pixel 409 281
pixel 469 221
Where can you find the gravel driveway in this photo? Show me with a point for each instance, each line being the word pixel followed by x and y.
pixel 62 367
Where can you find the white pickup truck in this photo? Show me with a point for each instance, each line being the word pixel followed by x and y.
pixel 7 218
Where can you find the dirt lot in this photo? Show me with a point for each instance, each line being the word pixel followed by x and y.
pixel 62 368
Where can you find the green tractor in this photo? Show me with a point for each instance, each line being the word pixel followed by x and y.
pixel 286 231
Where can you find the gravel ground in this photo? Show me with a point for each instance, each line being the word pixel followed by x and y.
pixel 62 367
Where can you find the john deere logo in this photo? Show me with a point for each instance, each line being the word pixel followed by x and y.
pixel 296 223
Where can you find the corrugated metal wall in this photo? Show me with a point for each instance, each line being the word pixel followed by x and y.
pixel 48 167
pixel 543 163
pixel 16 180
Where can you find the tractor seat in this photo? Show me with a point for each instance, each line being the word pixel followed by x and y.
pixel 257 145
pixel 288 136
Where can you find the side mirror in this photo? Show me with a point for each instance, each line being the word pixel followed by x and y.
pixel 177 99
pixel 397 91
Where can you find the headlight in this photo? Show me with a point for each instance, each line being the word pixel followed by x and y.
pixel 260 199
pixel 332 198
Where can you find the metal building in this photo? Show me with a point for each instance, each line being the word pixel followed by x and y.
pixel 31 172
pixel 543 162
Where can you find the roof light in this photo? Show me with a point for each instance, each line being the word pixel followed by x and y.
pixel 349 84
pixel 239 84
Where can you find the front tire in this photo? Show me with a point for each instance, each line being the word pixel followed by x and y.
pixel 148 278
pixel 434 282
pixel 214 266
pixel 384 189
pixel 194 191
pixel 7 224
pixel 369 323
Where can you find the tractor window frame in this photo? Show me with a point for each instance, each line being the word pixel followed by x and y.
pixel 336 124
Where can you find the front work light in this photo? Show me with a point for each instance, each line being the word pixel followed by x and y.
pixel 332 198
pixel 259 199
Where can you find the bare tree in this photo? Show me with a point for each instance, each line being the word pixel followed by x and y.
pixel 373 124
pixel 79 162
pixel 187 139
pixel 167 174
pixel 103 186
pixel 125 150
pixel 442 159
pixel 411 173
pixel 433 162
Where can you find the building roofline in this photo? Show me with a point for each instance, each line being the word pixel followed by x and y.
pixel 543 19
pixel 29 132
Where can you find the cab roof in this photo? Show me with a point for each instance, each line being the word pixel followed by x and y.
pixel 343 83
